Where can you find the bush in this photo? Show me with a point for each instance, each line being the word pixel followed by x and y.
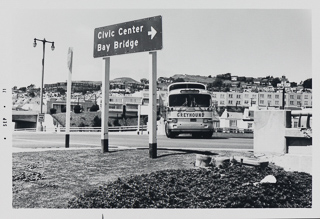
pixel 53 111
pixel 77 109
pixel 96 122
pixel 94 108
pixel 202 188
pixel 116 122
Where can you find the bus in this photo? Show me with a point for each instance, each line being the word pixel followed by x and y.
pixel 188 109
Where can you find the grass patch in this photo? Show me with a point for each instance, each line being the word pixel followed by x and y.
pixel 52 179
pixel 66 174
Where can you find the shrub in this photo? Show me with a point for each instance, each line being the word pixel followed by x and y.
pixel 53 111
pixel 116 122
pixel 94 108
pixel 96 121
pixel 202 188
pixel 77 109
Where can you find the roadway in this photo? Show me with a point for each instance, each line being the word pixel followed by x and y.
pixel 118 140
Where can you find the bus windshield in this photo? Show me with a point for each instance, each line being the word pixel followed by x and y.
pixel 189 100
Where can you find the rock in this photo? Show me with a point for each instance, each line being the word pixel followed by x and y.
pixel 202 160
pixel 269 179
pixel 221 162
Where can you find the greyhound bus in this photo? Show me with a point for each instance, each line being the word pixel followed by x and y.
pixel 188 110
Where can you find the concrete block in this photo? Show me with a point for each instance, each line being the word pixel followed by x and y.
pixel 269 132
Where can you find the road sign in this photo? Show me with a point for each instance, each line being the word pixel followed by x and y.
pixel 129 37
pixel 41 117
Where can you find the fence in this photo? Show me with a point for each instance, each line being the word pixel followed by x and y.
pixel 88 129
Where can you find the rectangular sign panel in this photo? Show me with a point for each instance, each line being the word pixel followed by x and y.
pixel 129 37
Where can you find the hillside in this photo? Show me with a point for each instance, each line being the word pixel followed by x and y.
pixel 124 80
pixel 194 78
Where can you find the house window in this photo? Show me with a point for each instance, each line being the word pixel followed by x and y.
pixel 221 102
pixel 269 96
pixel 277 96
pixel 261 95
pixel 305 96
pixel 230 95
pixel 238 102
pixel 254 96
pixel 276 102
pixel 246 95
pixel 249 125
pixel 233 123
pixel 214 96
pixel 299 103
pixel 298 97
pixel 291 102
pixel 291 97
pixel 261 101
pixel 230 102
pixel 305 102
pixel 221 95
pixel 246 102
pixel 238 96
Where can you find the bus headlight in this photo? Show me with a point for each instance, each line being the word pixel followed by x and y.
pixel 174 120
pixel 207 120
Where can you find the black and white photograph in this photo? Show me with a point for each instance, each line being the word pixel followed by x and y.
pixel 149 109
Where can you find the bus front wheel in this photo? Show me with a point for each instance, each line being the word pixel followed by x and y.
pixel 169 133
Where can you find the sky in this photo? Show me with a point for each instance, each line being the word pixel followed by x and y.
pixel 243 42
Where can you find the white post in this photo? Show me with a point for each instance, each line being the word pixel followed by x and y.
pixel 105 106
pixel 152 121
pixel 139 114
pixel 68 104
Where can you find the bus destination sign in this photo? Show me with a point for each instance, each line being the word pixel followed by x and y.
pixel 129 37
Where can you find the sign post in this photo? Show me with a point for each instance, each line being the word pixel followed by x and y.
pixel 68 105
pixel 130 37
pixel 105 106
pixel 153 105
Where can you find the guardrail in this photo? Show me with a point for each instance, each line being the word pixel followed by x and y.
pixel 233 130
pixel 88 129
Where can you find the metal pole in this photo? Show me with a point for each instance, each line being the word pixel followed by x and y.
pixel 105 106
pixel 283 98
pixel 152 121
pixel 139 113
pixel 41 90
pixel 68 105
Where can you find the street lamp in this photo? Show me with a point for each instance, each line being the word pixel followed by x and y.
pixel 44 41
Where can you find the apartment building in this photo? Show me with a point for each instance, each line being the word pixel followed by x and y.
pixel 235 98
pixel 263 99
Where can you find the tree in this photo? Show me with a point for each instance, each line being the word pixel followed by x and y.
pixel 61 91
pixel 307 83
pixel 23 89
pixel 77 109
pixel 217 83
pixel 31 94
pixel 30 87
pixel 179 80
pixel 53 111
pixel 275 81
pixel 144 81
pixel 96 122
pixel 94 108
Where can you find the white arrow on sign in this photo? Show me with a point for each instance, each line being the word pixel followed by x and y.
pixel 153 32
